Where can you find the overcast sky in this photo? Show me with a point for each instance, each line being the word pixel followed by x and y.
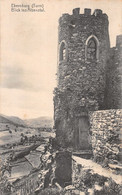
pixel 29 52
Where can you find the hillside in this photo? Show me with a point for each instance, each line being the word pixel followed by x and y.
pixel 40 122
pixel 12 120
pixel 35 122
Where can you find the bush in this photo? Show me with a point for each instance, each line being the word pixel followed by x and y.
pixel 5 186
pixel 111 189
pixel 50 191
pixel 55 191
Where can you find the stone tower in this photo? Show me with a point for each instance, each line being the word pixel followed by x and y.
pixel 114 76
pixel 83 54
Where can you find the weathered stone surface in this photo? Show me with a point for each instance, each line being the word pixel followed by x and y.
pixel 106 139
pixel 63 172
pixel 114 76
pixel 85 83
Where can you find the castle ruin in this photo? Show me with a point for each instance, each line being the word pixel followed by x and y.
pixel 89 79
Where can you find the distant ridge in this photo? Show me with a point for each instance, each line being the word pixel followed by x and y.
pixel 40 122
pixel 35 122
pixel 12 120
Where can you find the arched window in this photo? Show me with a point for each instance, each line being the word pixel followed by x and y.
pixel 63 51
pixel 92 48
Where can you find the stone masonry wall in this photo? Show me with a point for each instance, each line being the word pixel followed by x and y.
pixel 85 84
pixel 81 81
pixel 85 78
pixel 114 77
pixel 106 135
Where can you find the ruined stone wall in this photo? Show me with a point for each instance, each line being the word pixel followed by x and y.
pixel 63 172
pixel 106 135
pixel 114 77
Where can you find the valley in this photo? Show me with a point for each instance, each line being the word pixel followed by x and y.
pixel 21 147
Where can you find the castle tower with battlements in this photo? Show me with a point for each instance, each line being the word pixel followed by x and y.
pixel 83 58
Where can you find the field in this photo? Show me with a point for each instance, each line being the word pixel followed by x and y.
pixel 25 144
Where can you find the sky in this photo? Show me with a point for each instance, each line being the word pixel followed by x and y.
pixel 29 47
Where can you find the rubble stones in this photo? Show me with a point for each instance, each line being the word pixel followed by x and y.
pixel 89 182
